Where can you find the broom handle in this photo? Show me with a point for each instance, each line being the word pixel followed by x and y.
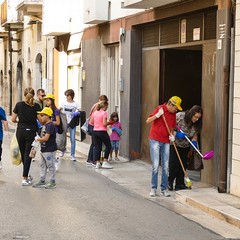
pixel 190 142
pixel 179 158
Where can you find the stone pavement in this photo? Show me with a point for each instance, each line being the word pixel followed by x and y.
pixel 203 204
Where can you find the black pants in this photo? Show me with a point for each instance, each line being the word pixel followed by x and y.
pixel 91 149
pixel 100 138
pixel 175 168
pixel 0 150
pixel 25 139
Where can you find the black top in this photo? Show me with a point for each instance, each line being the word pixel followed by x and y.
pixel 50 145
pixel 27 115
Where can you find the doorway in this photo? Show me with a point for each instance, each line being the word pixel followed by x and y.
pixel 181 75
pixel 166 73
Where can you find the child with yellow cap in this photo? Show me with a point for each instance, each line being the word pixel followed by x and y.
pixel 48 150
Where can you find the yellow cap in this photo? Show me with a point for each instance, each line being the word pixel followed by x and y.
pixel 176 101
pixel 49 95
pixel 47 111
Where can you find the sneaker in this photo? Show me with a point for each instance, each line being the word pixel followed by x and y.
pixel 94 164
pixel 73 158
pixel 165 193
pixel 98 165
pixel 62 154
pixel 117 159
pixel 89 163
pixel 50 185
pixel 40 184
pixel 25 182
pixel 107 165
pixel 170 186
pixel 0 165
pixel 153 192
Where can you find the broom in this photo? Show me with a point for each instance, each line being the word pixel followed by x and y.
pixel 186 178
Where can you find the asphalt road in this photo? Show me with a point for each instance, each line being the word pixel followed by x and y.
pixel 85 205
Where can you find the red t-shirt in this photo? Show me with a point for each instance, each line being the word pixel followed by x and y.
pixel 158 130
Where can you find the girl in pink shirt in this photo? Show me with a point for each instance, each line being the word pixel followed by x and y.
pixel 100 135
pixel 116 134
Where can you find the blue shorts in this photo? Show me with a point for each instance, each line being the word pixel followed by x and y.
pixel 115 144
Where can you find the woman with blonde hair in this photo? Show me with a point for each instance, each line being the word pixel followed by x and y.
pixel 25 115
pixel 100 135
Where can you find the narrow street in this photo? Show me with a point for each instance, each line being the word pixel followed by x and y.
pixel 85 205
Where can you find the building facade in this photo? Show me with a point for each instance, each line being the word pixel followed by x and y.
pixel 139 53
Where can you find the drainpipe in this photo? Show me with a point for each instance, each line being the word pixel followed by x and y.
pixel 230 111
pixel 222 93
pixel 10 70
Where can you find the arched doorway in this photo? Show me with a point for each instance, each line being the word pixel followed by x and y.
pixel 29 78
pixel 19 81
pixel 38 71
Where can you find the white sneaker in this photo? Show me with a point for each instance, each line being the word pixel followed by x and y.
pixel 117 159
pixel 153 192
pixel 73 158
pixel 98 165
pixel 165 193
pixel 62 154
pixel 26 182
pixel 107 165
pixel 0 165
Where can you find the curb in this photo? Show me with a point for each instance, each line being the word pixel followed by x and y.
pixel 209 201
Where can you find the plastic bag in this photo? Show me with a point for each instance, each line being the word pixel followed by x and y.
pixel 84 127
pixel 61 140
pixel 15 151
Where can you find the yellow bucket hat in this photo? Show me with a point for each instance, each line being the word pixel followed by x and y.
pixel 47 111
pixel 176 101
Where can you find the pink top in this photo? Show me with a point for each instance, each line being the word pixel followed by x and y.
pixel 98 117
pixel 114 136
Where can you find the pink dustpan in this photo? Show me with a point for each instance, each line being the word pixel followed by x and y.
pixel 208 155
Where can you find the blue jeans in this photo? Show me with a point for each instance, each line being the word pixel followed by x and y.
pixel 72 132
pixel 158 149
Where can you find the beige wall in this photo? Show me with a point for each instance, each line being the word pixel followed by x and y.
pixel 235 171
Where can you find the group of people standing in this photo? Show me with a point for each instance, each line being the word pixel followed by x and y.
pixel 98 129
pixel 170 126
pixel 38 120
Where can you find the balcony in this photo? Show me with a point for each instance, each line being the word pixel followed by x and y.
pixel 145 4
pixel 95 11
pixel 30 7
pixel 10 18
pixel 3 33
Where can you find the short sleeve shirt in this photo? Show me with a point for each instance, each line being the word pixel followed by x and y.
pixel 115 136
pixel 158 131
pixel 68 108
pixel 27 115
pixel 98 117
pixel 50 145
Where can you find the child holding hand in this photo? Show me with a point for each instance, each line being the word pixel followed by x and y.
pixel 115 137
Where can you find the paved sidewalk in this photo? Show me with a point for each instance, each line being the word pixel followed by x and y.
pixel 218 212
